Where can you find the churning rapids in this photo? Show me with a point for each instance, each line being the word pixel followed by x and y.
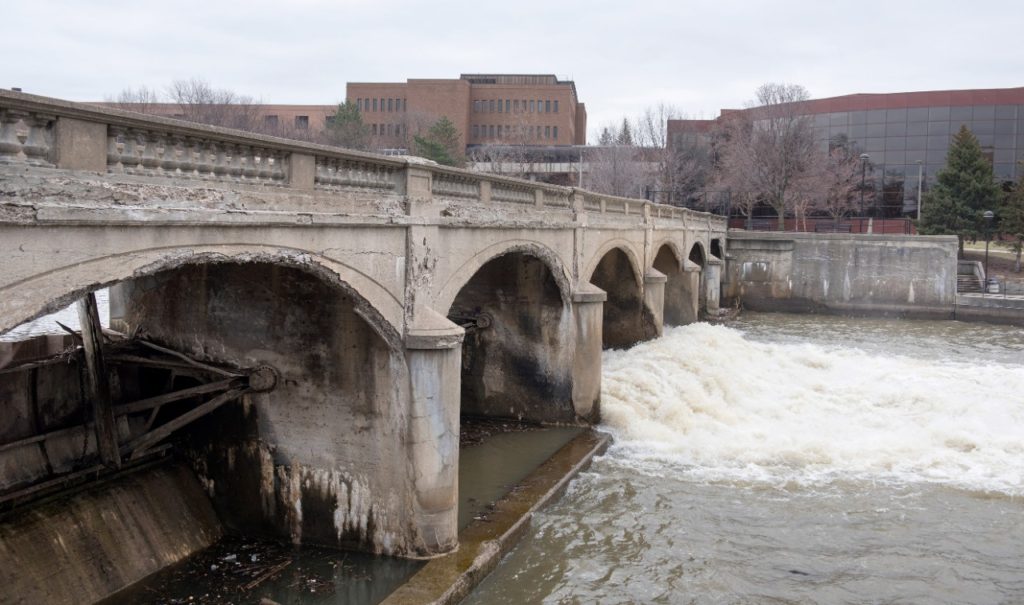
pixel 795 459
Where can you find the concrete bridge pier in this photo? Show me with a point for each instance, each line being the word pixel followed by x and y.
pixel 433 354
pixel 588 310
pixel 712 276
pixel 654 303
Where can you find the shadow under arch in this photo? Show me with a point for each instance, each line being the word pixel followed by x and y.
pixel 465 272
pixel 335 423
pixel 679 304
pixel 518 351
pixel 57 288
pixel 626 319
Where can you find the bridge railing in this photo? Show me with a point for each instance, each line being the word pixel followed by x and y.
pixel 39 131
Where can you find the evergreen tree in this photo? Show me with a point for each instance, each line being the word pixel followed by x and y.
pixel 1011 218
pixel 347 128
pixel 625 134
pixel 965 189
pixel 440 144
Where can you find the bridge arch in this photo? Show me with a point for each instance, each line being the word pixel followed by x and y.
pixel 462 275
pixel 679 303
pixel 626 319
pixel 55 289
pixel 518 349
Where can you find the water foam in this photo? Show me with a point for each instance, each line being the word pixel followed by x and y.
pixel 718 406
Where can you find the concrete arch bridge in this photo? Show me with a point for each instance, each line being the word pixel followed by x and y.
pixel 390 297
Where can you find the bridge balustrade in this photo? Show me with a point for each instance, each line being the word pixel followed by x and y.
pixel 43 132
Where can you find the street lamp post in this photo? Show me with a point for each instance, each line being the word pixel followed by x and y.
pixel 863 168
pixel 988 215
pixel 920 181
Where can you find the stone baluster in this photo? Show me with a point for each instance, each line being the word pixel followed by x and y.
pixel 235 163
pixel 280 171
pixel 40 135
pixel 150 162
pixel 332 172
pixel 189 158
pixel 346 173
pixel 10 142
pixel 130 153
pixel 249 169
pixel 206 162
pixel 220 161
pixel 264 168
pixel 169 160
pixel 115 148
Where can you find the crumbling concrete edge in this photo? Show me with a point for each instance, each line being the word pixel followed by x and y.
pixel 468 567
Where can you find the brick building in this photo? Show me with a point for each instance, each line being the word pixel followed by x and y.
pixel 499 109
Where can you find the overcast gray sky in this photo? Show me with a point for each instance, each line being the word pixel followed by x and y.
pixel 700 55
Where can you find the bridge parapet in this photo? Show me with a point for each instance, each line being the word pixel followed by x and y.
pixel 50 133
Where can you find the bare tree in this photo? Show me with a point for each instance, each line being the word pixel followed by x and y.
pixel 200 102
pixel 616 166
pixel 141 100
pixel 776 139
pixel 839 174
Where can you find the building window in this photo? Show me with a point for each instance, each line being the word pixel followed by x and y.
pixel 490 106
pixel 390 106
pixel 359 104
pixel 554 131
pixel 508 131
pixel 499 106
pixel 374 129
pixel 403 105
pixel 490 130
pixel 547 106
pixel 375 104
pixel 476 106
pixel 270 120
pixel 524 105
pixel 515 106
pixel 302 122
pixel 390 129
pixel 533 106
pixel 476 131
pixel 329 120
pixel 547 132
pixel 556 108
pixel 508 105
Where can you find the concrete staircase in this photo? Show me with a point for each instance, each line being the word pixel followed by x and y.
pixel 967 283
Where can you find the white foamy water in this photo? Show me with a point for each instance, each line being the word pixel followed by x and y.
pixel 716 405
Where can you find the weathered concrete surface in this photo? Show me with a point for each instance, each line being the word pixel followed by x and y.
pixel 209 230
pixel 841 273
pixel 88 546
pixel 519 348
pixel 992 308
pixel 325 457
pixel 447 580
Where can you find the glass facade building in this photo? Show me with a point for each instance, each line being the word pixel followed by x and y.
pixel 907 135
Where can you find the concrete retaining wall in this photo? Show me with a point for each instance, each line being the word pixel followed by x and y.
pixel 84 548
pixel 899 275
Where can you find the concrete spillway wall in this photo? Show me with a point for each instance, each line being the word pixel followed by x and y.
pixel 85 547
pixel 900 275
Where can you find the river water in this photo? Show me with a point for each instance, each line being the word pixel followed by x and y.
pixel 794 459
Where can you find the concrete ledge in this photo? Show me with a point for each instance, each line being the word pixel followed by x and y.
pixel 862 309
pixel 991 314
pixel 449 579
